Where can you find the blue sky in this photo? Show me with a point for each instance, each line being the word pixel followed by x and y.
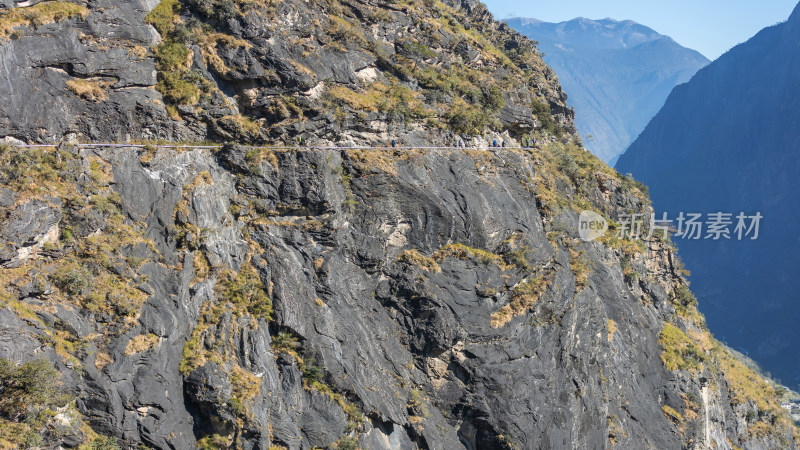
pixel 708 26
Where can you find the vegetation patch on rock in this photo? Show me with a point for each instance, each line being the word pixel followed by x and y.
pixel 38 15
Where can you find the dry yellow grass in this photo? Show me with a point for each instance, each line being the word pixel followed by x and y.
pixel 201 179
pixel 462 251
pixel 245 385
pixel 671 414
pixel 525 295
pixel 416 258
pixel 745 384
pixel 91 89
pixel 13 434
pixel 615 430
pixel 244 124
pixel 484 161
pixel 271 158
pixel 343 30
pixel 141 343
pixel 102 359
pixel 370 160
pixel 39 14
pixel 678 351
pixel 366 100
pixel 202 268
pixel 581 266
pixel 612 328
pixel 210 42
pixel 138 51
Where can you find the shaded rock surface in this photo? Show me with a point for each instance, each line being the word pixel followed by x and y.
pixel 737 151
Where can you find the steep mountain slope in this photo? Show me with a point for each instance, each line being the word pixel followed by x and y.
pixel 304 298
pixel 617 74
pixel 727 141
pixel 250 297
pixel 253 71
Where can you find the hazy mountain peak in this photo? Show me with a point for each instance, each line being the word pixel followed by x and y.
pixel 617 74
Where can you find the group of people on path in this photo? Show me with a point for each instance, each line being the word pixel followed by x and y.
pixel 526 143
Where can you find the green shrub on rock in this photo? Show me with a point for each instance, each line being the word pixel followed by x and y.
pixel 28 389
pixel 245 289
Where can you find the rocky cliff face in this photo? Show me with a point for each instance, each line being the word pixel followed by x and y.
pixel 330 71
pixel 252 298
pixel 319 298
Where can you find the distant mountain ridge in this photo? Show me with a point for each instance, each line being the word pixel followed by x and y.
pixel 601 34
pixel 617 74
pixel 728 141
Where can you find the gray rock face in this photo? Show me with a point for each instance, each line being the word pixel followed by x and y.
pixel 367 340
pixel 268 73
pixel 29 222
pixel 27 228
pixel 314 298
pixel 36 66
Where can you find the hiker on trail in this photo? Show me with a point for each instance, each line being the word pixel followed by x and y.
pixel 494 143
pixel 394 143
pixel 300 141
pixel 534 141
pixel 504 144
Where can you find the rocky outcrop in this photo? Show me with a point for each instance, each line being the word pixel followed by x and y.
pixel 104 56
pixel 422 299
pixel 344 72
